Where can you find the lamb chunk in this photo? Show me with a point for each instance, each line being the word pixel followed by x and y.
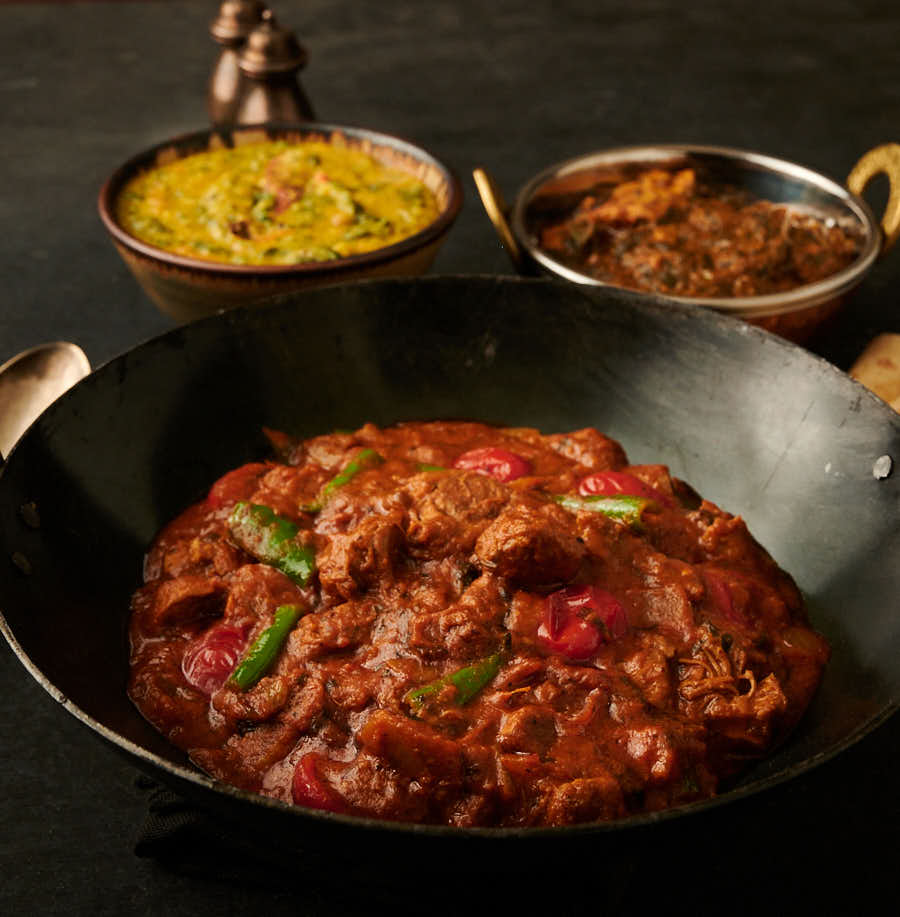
pixel 747 719
pixel 395 677
pixel 450 509
pixel 331 450
pixel 352 562
pixel 420 603
pixel 528 729
pixel 221 556
pixel 531 545
pixel 412 748
pixel 480 766
pixel 518 672
pixel 586 799
pixel 579 693
pixel 526 614
pixel 727 695
pixel 472 811
pixel 660 570
pixel 285 488
pixel 424 636
pixel 200 555
pixel 466 497
pixel 256 705
pixel 666 607
pixel 187 599
pixel 648 668
pixel 473 627
pixel 333 630
pixel 362 496
pixel 155 685
pixel 724 538
pixel 353 687
pixel 652 753
pixel 291 451
pixel 805 653
pixel 256 590
pixel 523 788
pixel 367 787
pixel 142 607
pixel 600 535
pixel 305 704
pixel 565 675
pixel 247 755
pixel 468 629
pixel 594 707
pixel 590 448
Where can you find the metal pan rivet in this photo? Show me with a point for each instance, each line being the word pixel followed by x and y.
pixel 30 515
pixel 22 562
pixel 882 467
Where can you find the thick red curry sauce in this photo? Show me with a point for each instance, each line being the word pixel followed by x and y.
pixel 458 624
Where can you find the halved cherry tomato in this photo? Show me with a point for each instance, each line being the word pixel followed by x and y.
pixel 236 485
pixel 494 461
pixel 612 483
pixel 308 789
pixel 209 659
pixel 579 619
pixel 578 639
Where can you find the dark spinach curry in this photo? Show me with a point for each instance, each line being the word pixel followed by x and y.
pixel 681 233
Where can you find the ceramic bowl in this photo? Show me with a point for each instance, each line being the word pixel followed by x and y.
pixel 189 288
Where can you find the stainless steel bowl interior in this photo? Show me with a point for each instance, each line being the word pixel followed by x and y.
pixel 769 178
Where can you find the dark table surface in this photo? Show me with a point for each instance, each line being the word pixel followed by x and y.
pixel 512 85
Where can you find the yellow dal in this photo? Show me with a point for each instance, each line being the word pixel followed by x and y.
pixel 275 203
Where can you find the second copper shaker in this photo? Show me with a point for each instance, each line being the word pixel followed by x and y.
pixel 235 21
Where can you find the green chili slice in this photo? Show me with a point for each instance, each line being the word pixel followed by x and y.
pixel 265 648
pixel 425 466
pixel 365 458
pixel 468 681
pixel 625 508
pixel 272 539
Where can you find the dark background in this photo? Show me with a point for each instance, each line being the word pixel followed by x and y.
pixel 511 85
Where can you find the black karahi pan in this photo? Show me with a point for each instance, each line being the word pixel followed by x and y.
pixel 756 424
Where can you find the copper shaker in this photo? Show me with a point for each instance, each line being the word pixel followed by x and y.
pixel 236 20
pixel 269 62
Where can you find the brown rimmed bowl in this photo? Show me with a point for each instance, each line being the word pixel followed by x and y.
pixel 190 288
pixel 794 314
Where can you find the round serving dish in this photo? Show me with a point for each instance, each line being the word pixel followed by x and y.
pixel 190 288
pixel 795 313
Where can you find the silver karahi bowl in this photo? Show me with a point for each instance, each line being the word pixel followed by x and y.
pixel 793 313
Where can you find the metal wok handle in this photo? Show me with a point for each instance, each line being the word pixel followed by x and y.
pixel 31 381
pixel 886 159
pixel 498 212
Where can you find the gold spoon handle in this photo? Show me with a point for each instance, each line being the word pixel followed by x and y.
pixel 497 212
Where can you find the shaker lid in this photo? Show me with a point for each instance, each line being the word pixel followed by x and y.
pixel 271 49
pixel 236 20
